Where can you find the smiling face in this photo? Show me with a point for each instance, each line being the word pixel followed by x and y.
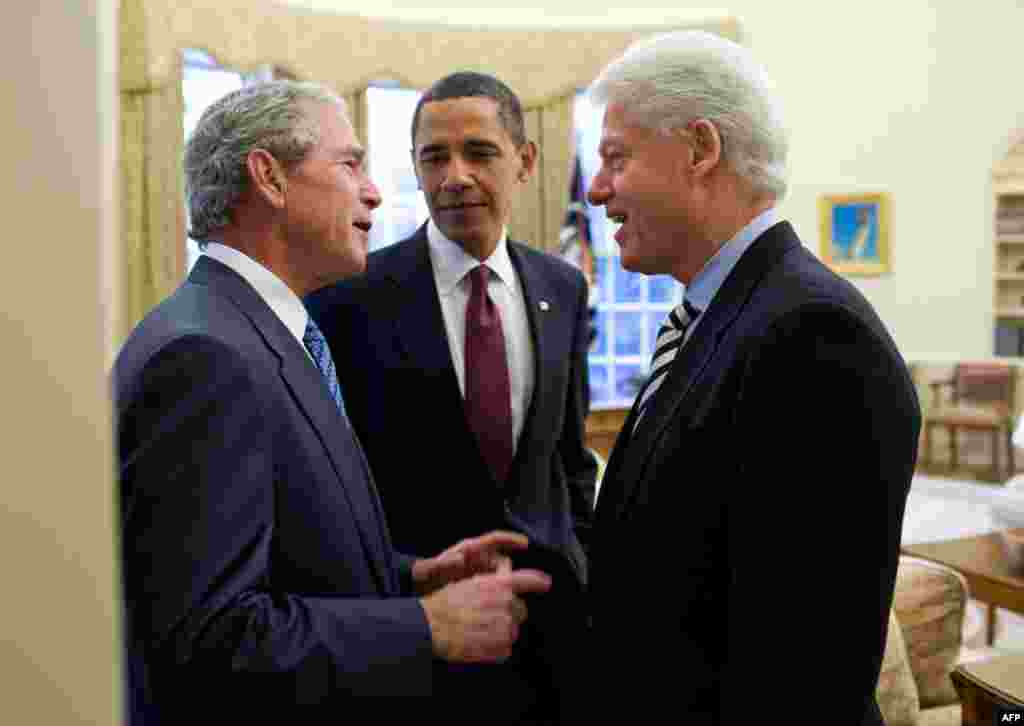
pixel 328 200
pixel 648 183
pixel 469 169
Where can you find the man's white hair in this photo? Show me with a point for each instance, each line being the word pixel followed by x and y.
pixel 668 80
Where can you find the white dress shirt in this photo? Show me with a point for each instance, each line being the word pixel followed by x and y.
pixel 275 293
pixel 451 265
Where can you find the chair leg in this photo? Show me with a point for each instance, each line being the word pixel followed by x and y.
pixel 928 443
pixel 954 454
pixel 1009 452
pixel 996 445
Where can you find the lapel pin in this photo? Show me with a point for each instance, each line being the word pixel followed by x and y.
pixel 543 305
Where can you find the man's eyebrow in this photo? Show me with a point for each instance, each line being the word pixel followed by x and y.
pixel 481 142
pixel 356 152
pixel 431 148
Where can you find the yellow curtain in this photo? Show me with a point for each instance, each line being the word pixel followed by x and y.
pixel 357 111
pixel 344 52
pixel 540 209
pixel 152 210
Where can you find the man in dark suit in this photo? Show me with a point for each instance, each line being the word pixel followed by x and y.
pixel 258 571
pixel 747 532
pixel 463 359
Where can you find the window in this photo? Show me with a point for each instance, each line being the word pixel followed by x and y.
pixel 630 307
pixel 389 119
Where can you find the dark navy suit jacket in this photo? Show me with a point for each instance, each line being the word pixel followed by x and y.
pixel 747 534
pixel 387 331
pixel 257 567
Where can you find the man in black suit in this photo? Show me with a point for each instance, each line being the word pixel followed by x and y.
pixel 258 571
pixel 772 447
pixel 463 360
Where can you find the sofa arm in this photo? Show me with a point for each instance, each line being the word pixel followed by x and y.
pixel 896 692
pixel 929 603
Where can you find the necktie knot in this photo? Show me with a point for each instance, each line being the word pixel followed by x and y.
pixel 314 340
pixel 670 339
pixel 478 277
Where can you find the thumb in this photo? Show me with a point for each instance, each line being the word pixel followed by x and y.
pixel 522 581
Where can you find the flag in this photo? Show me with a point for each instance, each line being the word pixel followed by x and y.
pixel 575 241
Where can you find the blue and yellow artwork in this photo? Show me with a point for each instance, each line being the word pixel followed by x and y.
pixel 854 234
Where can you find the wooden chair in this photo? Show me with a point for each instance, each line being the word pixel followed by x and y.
pixel 978 397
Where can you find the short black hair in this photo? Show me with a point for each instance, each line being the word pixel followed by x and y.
pixel 466 84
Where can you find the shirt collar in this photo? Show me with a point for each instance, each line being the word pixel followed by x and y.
pixel 278 296
pixel 452 263
pixel 702 289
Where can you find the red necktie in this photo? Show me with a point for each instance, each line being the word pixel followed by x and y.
pixel 488 394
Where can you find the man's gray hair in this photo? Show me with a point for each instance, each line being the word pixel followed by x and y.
pixel 271 115
pixel 666 81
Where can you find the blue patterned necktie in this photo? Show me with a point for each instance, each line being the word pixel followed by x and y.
pixel 670 340
pixel 317 346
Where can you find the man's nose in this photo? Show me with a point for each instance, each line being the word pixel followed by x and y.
pixel 457 174
pixel 600 191
pixel 371 195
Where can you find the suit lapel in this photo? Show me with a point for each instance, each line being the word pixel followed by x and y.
pixel 671 402
pixel 422 336
pixel 536 289
pixel 306 384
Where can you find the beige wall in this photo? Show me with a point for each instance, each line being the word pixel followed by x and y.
pixel 917 98
pixel 58 661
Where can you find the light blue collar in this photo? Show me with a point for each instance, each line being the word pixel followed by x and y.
pixel 703 288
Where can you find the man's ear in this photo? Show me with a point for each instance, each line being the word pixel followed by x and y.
pixel 528 158
pixel 706 143
pixel 267 177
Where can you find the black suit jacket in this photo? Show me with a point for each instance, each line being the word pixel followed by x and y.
pixel 747 534
pixel 257 567
pixel 386 329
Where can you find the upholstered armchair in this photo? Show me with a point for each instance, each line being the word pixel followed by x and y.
pixel 925 643
pixel 979 396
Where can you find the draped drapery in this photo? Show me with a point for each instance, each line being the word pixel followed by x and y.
pixel 545 66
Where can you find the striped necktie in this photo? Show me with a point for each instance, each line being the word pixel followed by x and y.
pixel 670 340
pixel 316 344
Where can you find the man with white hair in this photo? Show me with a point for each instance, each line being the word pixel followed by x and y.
pixel 709 528
pixel 257 567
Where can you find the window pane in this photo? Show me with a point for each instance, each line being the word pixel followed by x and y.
pixel 599 389
pixel 629 286
pixel 628 379
pixel 628 334
pixel 600 344
pixel 662 288
pixel 603 274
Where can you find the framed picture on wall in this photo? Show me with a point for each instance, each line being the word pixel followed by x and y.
pixel 854 233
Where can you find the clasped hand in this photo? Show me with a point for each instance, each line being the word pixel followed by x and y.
pixel 473 604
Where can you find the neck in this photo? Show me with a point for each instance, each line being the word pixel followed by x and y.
pixel 271 254
pixel 478 249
